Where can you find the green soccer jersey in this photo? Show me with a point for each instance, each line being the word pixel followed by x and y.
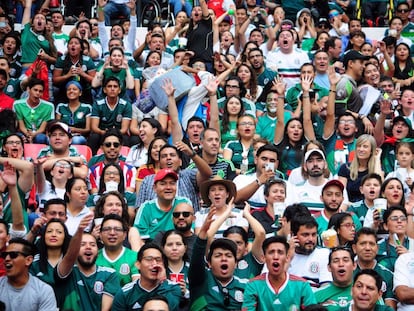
pixel 333 297
pixel 84 292
pixel 46 276
pixel 387 253
pixel 7 212
pixel 294 294
pixel 360 209
pixel 206 292
pixel 76 118
pixel 265 126
pixel 248 267
pixel 387 281
pixel 124 265
pixel 33 117
pixel 111 117
pixel 151 219
pixel 132 296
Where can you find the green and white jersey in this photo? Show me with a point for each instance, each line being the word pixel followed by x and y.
pixel 76 118
pixel 292 295
pixel 266 124
pixel 132 296
pixel 387 281
pixel 151 218
pixel 360 209
pixel 248 267
pixel 84 292
pixel 124 265
pixel 33 117
pixel 206 292
pixel 111 117
pixel 333 297
pixel 7 212
pixel 47 276
pixel 61 41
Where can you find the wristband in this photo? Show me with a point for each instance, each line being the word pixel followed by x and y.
pixel 258 182
pixel 100 9
pixel 333 91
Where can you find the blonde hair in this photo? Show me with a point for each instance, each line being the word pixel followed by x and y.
pixel 353 168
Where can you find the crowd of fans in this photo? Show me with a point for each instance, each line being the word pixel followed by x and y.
pixel 249 157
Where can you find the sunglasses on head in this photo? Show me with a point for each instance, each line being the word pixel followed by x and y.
pixel 13 254
pixel 178 214
pixel 108 145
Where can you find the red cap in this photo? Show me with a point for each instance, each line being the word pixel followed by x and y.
pixel 162 173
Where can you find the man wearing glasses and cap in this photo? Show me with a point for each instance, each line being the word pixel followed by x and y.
pixel 19 289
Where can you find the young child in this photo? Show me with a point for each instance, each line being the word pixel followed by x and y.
pixel 364 209
pixel 404 170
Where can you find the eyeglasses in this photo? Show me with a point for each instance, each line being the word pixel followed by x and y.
pixel 109 229
pixel 346 122
pixel 398 218
pixel 226 293
pixel 14 142
pixel 108 173
pixel 109 145
pixel 152 259
pixel 185 214
pixel 94 24
pixel 13 254
pixel 403 11
pixel 246 123
pixel 229 86
pixel 63 165
pixel 348 225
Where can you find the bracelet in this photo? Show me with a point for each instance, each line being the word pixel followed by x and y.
pixel 305 96
pixel 258 182
pixel 333 91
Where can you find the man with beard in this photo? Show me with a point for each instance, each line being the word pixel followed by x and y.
pixel 314 166
pixel 264 74
pixel 338 293
pixel 309 261
pixel 150 262
pixel 366 249
pixel 84 285
pixel 155 215
pixel 114 254
pixel 332 197
pixel 277 289
pixel 183 219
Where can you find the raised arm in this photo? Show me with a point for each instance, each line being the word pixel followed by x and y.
pixel 26 172
pixel 309 132
pixel 27 12
pixel 9 177
pixel 329 127
pixel 259 233
pixel 176 129
pixel 66 265
pixel 385 109
pixel 214 111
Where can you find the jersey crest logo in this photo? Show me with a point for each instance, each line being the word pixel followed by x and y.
pixel 98 287
pixel 124 269
pixel 242 264
pixel 136 306
pixel 314 267
pixel 238 295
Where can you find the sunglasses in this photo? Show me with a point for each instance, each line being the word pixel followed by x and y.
pixel 403 11
pixel 13 254
pixel 94 24
pixel 108 145
pixel 178 214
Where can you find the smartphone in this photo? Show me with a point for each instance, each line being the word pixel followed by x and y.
pixel 270 166
pixel 397 87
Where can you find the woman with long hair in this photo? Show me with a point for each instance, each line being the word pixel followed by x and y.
pixel 116 65
pixel 344 226
pixel 113 202
pixel 240 151
pixel 366 161
pixel 112 179
pixel 74 66
pixel 233 110
pixel 404 67
pixel 52 245
pixel 356 41
pixel 75 113
pixel 246 73
pixel 147 130
pixel 76 197
pixel 153 163
pixel 174 247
